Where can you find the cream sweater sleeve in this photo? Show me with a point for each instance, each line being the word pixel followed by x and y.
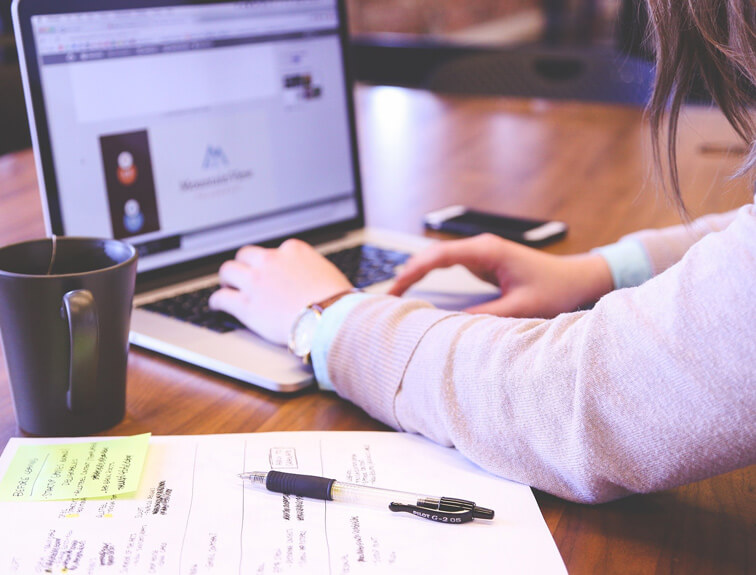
pixel 654 387
pixel 665 247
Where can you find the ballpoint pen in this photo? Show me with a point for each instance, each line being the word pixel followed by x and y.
pixel 440 509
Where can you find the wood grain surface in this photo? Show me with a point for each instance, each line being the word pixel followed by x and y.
pixel 585 164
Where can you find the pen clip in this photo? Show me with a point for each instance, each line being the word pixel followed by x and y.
pixel 452 517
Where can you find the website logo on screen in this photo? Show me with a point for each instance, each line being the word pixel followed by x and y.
pixel 215 157
pixel 221 174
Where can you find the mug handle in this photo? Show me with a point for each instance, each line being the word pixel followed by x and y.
pixel 80 312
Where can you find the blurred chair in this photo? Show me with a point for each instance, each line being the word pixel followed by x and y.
pixel 634 35
pixel 537 72
pixel 383 59
pixel 14 126
pixel 534 71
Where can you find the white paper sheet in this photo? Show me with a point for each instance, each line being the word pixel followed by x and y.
pixel 193 515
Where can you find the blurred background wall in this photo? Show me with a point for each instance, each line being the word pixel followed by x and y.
pixel 493 22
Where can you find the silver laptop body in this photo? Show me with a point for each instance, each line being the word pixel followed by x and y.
pixel 190 129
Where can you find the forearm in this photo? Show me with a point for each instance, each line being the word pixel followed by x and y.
pixel 644 392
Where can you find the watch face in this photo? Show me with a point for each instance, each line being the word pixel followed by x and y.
pixel 300 342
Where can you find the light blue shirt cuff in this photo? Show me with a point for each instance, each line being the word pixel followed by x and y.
pixel 328 327
pixel 628 263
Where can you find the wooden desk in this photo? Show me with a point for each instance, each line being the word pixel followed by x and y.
pixel 585 164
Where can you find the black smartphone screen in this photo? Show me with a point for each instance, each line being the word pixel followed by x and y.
pixel 494 223
pixel 472 223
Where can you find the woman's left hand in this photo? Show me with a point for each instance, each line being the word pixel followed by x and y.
pixel 266 288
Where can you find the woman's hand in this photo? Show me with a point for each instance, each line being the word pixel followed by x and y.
pixel 266 288
pixel 533 283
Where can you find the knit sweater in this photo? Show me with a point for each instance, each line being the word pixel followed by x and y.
pixel 652 388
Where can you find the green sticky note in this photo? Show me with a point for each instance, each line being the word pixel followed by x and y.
pixel 50 472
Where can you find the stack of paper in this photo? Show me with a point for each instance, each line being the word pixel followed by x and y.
pixel 191 514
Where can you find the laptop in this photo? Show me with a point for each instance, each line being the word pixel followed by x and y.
pixel 191 128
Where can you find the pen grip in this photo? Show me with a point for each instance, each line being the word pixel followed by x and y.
pixel 303 485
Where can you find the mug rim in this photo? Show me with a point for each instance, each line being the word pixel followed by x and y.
pixel 124 263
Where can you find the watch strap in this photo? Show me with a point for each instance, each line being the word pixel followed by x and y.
pixel 318 308
pixel 321 306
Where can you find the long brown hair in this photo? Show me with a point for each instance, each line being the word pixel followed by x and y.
pixel 716 41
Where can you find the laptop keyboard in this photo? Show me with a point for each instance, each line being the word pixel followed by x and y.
pixel 193 307
pixel 366 265
pixel 363 265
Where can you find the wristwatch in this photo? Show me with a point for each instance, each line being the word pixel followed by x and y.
pixel 303 330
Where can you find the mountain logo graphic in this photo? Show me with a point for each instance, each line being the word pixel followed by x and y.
pixel 215 157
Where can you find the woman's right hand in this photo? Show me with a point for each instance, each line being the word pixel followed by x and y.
pixel 533 283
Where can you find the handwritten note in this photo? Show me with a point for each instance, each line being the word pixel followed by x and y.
pixel 51 472
pixel 193 515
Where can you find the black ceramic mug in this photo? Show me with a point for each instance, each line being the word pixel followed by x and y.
pixel 65 308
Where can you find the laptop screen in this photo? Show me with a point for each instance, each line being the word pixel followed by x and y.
pixel 190 130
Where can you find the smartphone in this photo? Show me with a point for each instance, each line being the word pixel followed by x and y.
pixel 466 222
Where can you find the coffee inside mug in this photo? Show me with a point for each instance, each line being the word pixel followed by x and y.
pixel 67 257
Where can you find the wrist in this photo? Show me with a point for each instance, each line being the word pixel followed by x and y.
pixel 328 328
pixel 303 329
pixel 592 273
